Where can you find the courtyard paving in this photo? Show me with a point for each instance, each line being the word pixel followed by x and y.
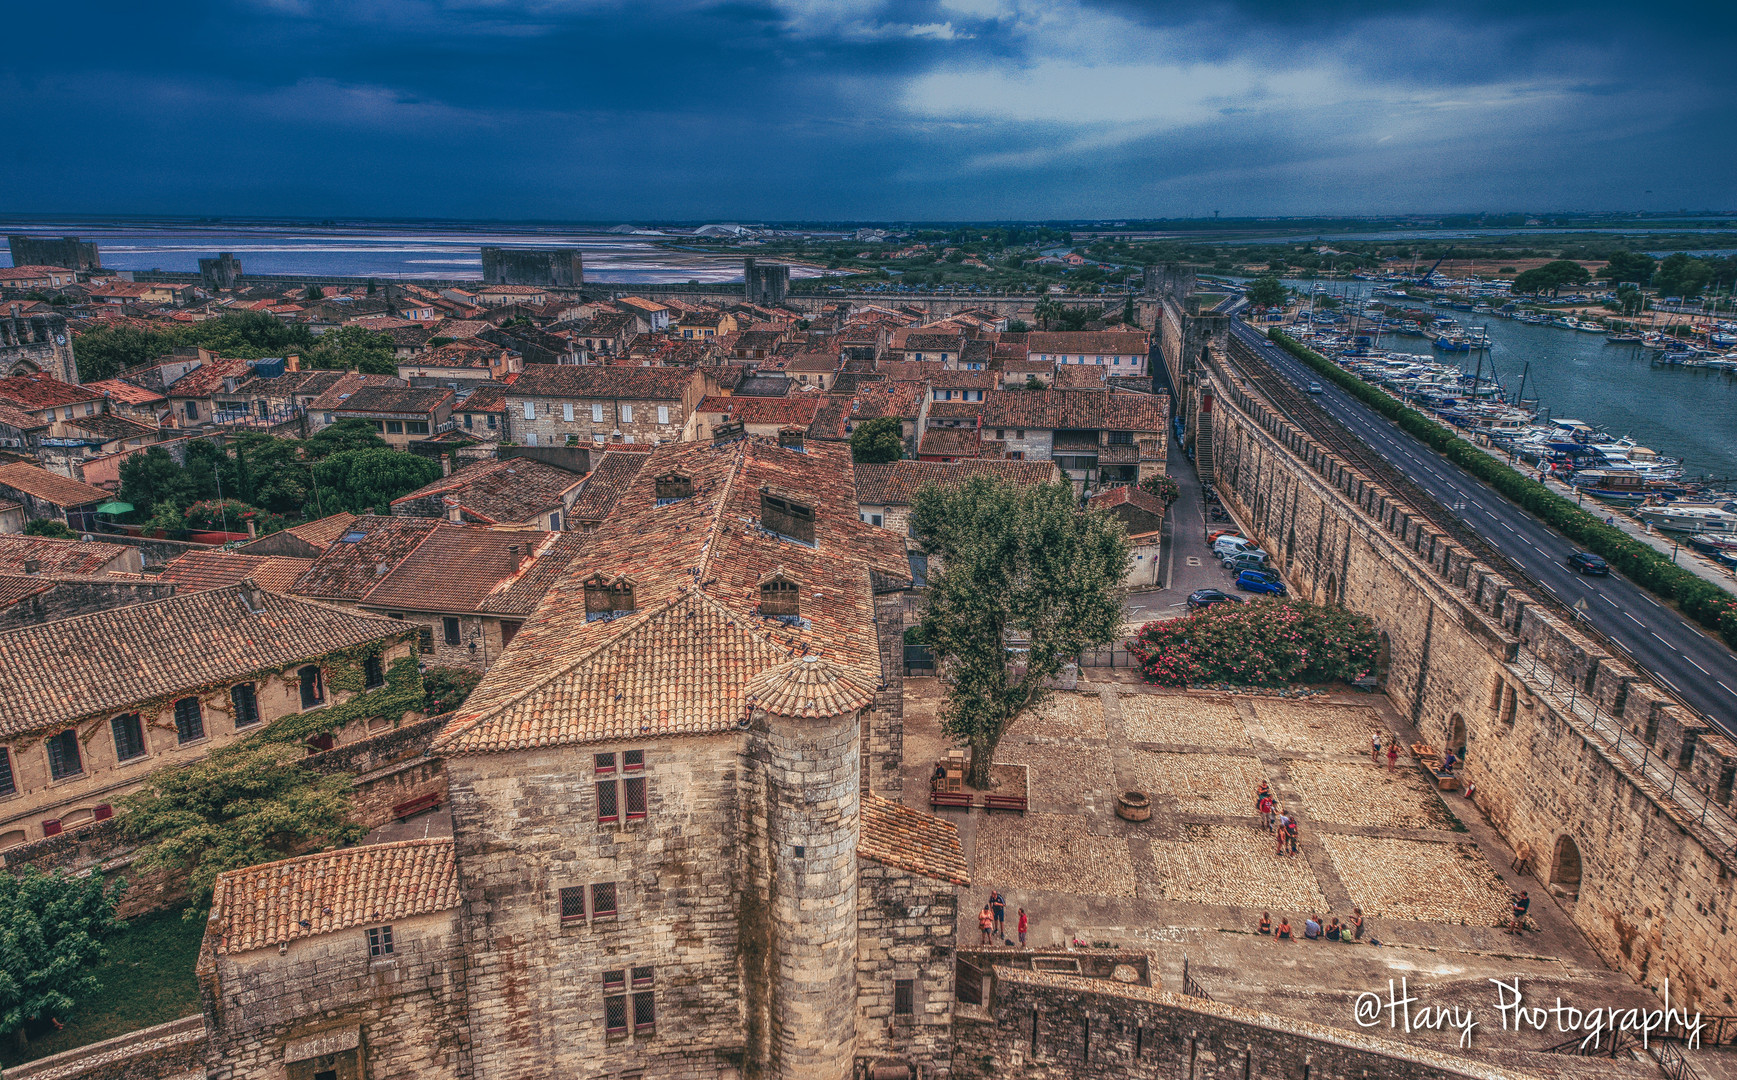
pixel 1430 874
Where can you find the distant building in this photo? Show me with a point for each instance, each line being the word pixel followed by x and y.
pixel 67 251
pixel 557 267
pixel 765 283
pixel 221 272
pixel 36 344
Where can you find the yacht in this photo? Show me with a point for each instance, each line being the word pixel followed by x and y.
pixel 1682 517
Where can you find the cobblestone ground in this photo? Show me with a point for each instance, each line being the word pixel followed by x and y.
pixel 1352 793
pixel 1234 866
pixel 1186 719
pixel 1419 880
pixel 1052 853
pixel 1311 728
pixel 1065 716
pixel 1200 783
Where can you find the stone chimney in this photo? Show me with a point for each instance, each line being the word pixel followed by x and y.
pixel 454 513
pixel 292 362
pixel 33 566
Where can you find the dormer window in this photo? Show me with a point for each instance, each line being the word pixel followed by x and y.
pixel 781 598
pixel 607 599
pixel 788 518
pixel 673 488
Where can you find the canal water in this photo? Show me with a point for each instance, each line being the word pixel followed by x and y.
pixel 1689 413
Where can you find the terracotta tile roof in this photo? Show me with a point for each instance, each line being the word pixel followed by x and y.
pixel 797 409
pixel 1088 342
pixel 609 478
pixel 14 417
pixel 263 905
pixel 16 587
pixel 592 381
pixel 891 397
pixel 334 397
pixel 812 362
pixel 304 383
pixel 469 568
pixel 896 483
pixel 955 410
pixel 810 686
pixel 91 665
pixel 942 442
pixel 470 353
pixel 898 836
pixel 682 660
pixel 911 370
pixel 207 378
pixel 1128 495
pixel 57 556
pixel 460 328
pixel 965 380
pixel 1085 409
pixel 109 426
pixel 195 571
pixel 321 532
pixel 392 399
pixel 49 487
pixel 366 551
pixel 924 340
pixel 42 392
pixel 1080 377
pixel 483 399
pixel 507 491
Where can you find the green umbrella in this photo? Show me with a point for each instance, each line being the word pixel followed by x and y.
pixel 116 507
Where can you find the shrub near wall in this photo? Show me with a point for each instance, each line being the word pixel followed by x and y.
pixel 1261 644
pixel 1643 564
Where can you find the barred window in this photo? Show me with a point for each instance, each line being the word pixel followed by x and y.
pixel 644 1004
pixel 608 809
pixel 573 904
pixel 63 758
pixel 7 784
pixel 129 736
pixel 189 720
pixel 603 900
pixel 633 793
pixel 615 1002
pixel 373 672
pixel 904 996
pixel 632 760
pixel 781 598
pixel 246 703
pixel 605 764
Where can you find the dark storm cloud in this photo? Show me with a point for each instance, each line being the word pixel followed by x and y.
pixel 927 108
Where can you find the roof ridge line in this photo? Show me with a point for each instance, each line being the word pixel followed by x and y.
pixel 383 578
pixel 712 530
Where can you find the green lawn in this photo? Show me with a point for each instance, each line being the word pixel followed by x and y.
pixel 147 979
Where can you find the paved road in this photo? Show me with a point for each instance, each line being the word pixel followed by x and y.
pixel 1668 646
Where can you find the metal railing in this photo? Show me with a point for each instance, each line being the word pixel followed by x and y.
pixel 1670 1060
pixel 1189 986
pixel 1716 818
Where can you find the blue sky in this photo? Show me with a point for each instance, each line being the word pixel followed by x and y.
pixel 807 109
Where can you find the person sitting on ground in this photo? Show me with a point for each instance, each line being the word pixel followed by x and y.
pixel 1448 761
pixel 1522 904
pixel 1334 933
pixel 1284 933
pixel 1266 923
pixel 1312 928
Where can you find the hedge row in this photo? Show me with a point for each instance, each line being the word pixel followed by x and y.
pixel 1643 564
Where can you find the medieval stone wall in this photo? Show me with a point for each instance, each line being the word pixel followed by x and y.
pixel 526 826
pixel 1055 1027
pixel 1470 654
pixel 907 927
pixel 408 1006
pixel 883 747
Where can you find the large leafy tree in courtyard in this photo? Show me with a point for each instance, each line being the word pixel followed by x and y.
pixel 878 440
pixel 51 931
pixel 1015 565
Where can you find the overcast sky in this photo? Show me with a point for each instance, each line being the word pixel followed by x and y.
pixel 809 109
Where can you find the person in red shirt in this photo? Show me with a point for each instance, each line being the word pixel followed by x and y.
pixel 1266 809
pixel 986 923
pixel 1022 925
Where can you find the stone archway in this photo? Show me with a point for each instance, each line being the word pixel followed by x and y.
pixel 1332 588
pixel 1457 735
pixel 1565 865
pixel 1383 656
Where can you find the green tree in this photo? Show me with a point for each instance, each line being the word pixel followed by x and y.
pixel 153 477
pixel 368 480
pixel 354 348
pixel 1018 326
pixel 315 293
pixel 447 688
pixel 1682 275
pixel 352 434
pixel 1629 266
pixel 107 350
pixel 1267 291
pixel 271 474
pixel 51 930
pixel 878 440
pixel 1628 299
pixel 49 527
pixel 241 805
pixel 1047 310
pixel 1015 563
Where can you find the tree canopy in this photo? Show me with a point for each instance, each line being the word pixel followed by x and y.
pixel 1681 275
pixel 1551 277
pixel 1629 266
pixel 1267 291
pixel 102 352
pixel 51 930
pixel 1018 568
pixel 367 480
pixel 878 440
pixel 352 434
pixel 53 528
pixel 354 348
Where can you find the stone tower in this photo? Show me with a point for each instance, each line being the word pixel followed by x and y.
pixel 765 283
pixel 806 740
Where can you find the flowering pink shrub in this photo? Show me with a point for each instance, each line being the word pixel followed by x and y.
pixel 1262 644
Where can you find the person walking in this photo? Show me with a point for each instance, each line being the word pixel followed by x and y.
pixel 998 904
pixel 1022 925
pixel 1291 836
pixel 1522 904
pixel 1266 808
pixel 1284 821
pixel 1375 750
pixel 985 923
pixel 1392 753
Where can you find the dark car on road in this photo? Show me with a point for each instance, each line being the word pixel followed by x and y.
pixel 1588 563
pixel 1260 581
pixel 1205 598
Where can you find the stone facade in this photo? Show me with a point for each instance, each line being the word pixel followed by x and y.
pixel 395 1015
pixel 1475 660
pixel 906 930
pixel 36 343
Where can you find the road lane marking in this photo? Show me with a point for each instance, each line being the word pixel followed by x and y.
pixel 1698 667
pixel 1634 620
pixel 1662 641
pixel 1727 689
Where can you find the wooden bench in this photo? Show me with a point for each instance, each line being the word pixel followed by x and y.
pixel 950 798
pixel 992 801
pixel 416 806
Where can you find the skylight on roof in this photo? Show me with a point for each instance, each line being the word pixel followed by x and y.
pixel 354 537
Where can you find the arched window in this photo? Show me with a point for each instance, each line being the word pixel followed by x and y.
pixel 1565 865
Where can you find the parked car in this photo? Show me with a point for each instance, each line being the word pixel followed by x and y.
pixel 1205 598
pixel 1230 545
pixel 1216 535
pixel 1588 563
pixel 1314 388
pixel 1260 581
pixel 1246 560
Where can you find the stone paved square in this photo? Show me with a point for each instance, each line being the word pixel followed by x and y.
pixel 1173 718
pixel 1065 715
pixel 1200 783
pixel 1049 853
pixel 1234 866
pixel 1358 793
pixel 1063 775
pixel 1298 727
pixel 1418 880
